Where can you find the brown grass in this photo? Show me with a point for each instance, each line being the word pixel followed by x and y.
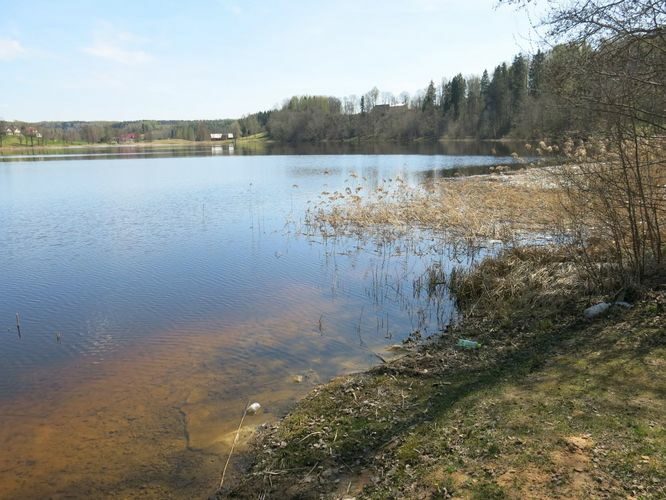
pixel 522 282
pixel 502 207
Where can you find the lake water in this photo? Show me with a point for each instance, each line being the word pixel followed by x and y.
pixel 157 294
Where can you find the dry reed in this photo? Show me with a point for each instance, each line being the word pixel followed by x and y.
pixel 233 445
pixel 501 207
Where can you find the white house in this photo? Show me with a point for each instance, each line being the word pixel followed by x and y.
pixel 220 137
pixel 17 131
pixel 9 132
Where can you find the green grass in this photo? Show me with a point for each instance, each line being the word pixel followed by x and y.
pixel 11 143
pixel 551 406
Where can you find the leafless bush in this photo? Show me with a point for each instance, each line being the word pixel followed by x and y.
pixel 615 71
pixel 615 203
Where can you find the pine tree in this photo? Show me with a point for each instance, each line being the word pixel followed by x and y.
pixel 429 99
pixel 458 86
pixel 535 75
pixel 517 84
pixel 430 121
pixel 485 83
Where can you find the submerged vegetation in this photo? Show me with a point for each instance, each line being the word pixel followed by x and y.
pixel 549 405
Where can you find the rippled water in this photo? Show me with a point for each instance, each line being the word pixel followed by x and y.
pixel 157 295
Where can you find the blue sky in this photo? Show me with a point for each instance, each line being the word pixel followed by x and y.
pixel 150 59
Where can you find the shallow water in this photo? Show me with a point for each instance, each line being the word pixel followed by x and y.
pixel 158 295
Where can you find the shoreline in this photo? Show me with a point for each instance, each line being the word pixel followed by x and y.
pixel 260 139
pixel 548 404
pixel 135 145
pixel 532 413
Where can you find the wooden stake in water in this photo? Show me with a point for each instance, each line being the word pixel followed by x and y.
pixel 18 324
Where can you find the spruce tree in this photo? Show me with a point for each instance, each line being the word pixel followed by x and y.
pixel 535 76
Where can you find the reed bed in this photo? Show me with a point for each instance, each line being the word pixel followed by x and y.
pixel 503 207
pixel 526 287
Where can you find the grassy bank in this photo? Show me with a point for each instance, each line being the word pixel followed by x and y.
pixel 551 405
pixel 12 144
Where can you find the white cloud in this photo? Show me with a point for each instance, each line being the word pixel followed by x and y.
pixel 117 46
pixel 113 52
pixel 10 49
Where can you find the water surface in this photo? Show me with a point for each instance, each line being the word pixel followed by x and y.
pixel 157 295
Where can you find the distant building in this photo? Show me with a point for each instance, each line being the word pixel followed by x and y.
pixel 9 131
pixel 17 131
pixel 131 137
pixel 221 137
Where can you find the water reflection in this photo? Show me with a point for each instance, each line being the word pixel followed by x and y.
pixel 157 297
pixel 450 148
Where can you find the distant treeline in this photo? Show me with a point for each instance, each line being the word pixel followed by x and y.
pixel 522 99
pixel 72 132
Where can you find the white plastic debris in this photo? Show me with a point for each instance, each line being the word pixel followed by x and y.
pixel 253 408
pixel 596 310
pixel 602 307
pixel 626 305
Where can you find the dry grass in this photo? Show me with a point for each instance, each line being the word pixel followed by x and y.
pixel 502 207
pixel 528 287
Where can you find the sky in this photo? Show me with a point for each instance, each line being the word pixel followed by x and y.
pixel 207 59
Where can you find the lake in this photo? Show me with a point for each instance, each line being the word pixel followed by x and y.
pixel 148 295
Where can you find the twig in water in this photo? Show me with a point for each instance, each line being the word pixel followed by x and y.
pixel 18 325
pixel 233 445
pixel 388 333
pixel 358 329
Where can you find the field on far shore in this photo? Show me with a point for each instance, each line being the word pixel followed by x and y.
pixel 12 144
